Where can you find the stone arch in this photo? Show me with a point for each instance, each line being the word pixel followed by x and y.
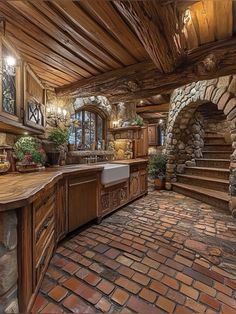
pixel 184 102
pixel 97 102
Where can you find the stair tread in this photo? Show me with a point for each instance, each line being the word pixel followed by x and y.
pixel 203 178
pixel 208 168
pixel 218 144
pixel 214 137
pixel 209 192
pixel 212 159
pixel 216 151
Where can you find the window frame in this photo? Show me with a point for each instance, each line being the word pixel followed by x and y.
pixel 97 113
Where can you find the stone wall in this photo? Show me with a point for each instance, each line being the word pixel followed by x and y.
pixel 184 102
pixel 8 262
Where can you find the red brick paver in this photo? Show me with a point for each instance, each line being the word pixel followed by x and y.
pixel 162 253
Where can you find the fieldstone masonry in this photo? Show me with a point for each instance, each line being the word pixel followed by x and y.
pixel 8 262
pixel 184 133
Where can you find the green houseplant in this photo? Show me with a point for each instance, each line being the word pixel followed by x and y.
pixel 29 154
pixel 58 137
pixel 138 120
pixel 157 170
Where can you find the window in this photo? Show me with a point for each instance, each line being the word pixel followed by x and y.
pixel 89 132
pixel 8 83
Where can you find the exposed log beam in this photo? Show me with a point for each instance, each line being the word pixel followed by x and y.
pixel 153 108
pixel 143 80
pixel 158 28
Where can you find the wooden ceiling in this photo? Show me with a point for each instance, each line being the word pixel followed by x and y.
pixel 66 41
pixel 121 49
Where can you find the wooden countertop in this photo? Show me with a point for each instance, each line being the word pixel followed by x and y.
pixel 130 161
pixel 18 190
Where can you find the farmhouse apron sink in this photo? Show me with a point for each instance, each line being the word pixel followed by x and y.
pixel 114 173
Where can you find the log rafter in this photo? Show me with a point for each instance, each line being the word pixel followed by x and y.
pixel 143 80
pixel 158 28
pixel 153 108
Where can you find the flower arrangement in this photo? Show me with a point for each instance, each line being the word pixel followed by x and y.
pixel 29 152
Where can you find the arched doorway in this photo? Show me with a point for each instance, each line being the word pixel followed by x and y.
pixel 185 136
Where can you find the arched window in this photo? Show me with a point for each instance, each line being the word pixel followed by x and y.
pixel 90 131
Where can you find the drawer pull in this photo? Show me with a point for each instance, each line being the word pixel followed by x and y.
pixel 83 182
pixel 43 227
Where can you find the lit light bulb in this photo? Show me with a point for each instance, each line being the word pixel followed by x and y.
pixel 59 110
pixel 160 121
pixel 10 61
pixel 64 112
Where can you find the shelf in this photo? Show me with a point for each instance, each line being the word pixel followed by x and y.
pixel 126 128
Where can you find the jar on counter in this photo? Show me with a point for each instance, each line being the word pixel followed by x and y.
pixel 4 163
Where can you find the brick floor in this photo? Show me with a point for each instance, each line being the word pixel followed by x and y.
pixel 162 253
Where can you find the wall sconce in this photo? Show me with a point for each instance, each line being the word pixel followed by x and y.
pixel 187 16
pixel 57 116
pixel 9 64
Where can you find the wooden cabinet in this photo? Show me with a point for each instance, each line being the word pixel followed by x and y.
pixel 152 135
pixel 61 210
pixel 134 185
pixel 138 180
pixel 143 181
pixel 118 195
pixel 10 85
pixel 36 244
pixel 141 144
pixel 82 201
pixel 56 210
pixel 34 100
pixel 114 197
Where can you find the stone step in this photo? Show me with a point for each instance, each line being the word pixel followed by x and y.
pixel 214 140
pixel 214 198
pixel 216 154
pixel 218 147
pixel 208 172
pixel 214 163
pixel 205 182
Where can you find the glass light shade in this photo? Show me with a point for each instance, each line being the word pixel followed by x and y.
pixel 10 61
pixel 64 112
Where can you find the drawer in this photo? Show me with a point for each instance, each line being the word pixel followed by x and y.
pixel 143 166
pixel 42 211
pixel 77 180
pixel 42 264
pixel 43 232
pixel 41 200
pixel 134 168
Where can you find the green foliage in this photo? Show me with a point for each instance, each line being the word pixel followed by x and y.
pixel 59 137
pixel 27 149
pixel 157 166
pixel 139 121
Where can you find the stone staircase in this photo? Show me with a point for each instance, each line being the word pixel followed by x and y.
pixel 208 181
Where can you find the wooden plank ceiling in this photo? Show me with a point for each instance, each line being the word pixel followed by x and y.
pixel 67 41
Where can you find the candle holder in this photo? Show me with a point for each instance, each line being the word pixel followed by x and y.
pixel 56 117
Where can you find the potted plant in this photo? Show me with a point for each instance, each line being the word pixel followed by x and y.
pixel 29 153
pixel 58 137
pixel 157 170
pixel 138 121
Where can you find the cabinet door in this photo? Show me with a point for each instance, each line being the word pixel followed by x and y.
pixel 61 210
pixel 143 181
pixel 152 134
pixel 82 199
pixel 134 185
